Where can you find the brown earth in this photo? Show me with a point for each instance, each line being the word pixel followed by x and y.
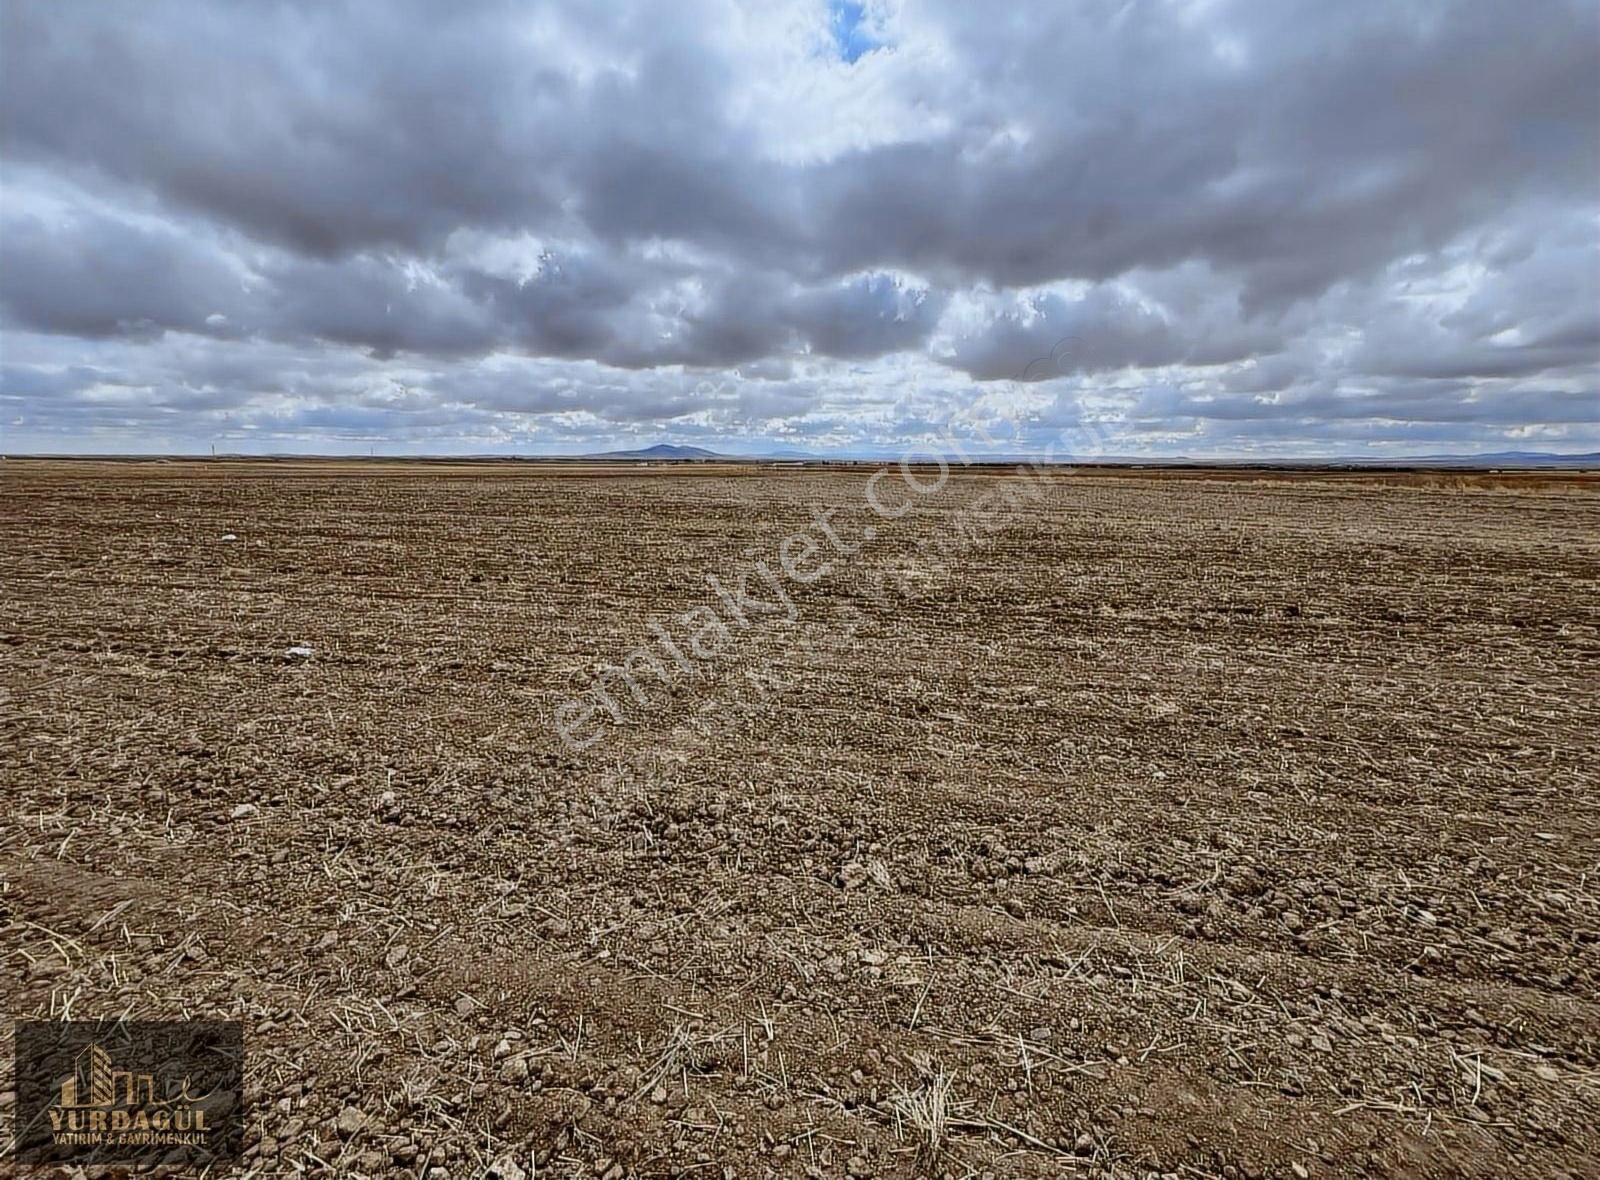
pixel 1236 825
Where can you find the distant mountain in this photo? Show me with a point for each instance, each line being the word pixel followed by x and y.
pixel 664 451
pixel 775 453
pixel 1489 459
pixel 786 453
pixel 670 453
pixel 1511 459
pixel 1485 460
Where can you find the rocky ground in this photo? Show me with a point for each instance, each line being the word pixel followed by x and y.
pixel 1105 825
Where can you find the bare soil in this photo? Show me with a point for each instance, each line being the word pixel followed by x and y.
pixel 1236 825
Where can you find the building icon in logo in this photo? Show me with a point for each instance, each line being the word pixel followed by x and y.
pixel 135 1091
pixel 95 1081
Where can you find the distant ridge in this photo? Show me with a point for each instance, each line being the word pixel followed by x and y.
pixel 786 453
pixel 668 453
pixel 660 451
pixel 1513 459
pixel 672 453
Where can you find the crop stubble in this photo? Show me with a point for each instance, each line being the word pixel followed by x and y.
pixel 1210 826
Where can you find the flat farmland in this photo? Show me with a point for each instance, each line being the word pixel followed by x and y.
pixel 1113 823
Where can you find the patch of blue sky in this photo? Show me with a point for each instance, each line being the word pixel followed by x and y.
pixel 851 36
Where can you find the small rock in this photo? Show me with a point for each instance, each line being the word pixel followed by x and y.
pixel 1548 1073
pixel 506 1168
pixel 243 811
pixel 351 1122
pixel 1300 1170
pixel 301 651
pixel 1042 1033
pixel 1084 1144
pixel 397 955
pixel 229 537
pixel 658 1095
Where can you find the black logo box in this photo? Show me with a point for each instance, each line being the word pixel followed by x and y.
pixel 185 1077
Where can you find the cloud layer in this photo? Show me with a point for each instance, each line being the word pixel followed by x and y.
pixel 1193 226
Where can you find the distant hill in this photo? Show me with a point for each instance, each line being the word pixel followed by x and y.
pixel 660 451
pixel 1512 459
pixel 786 453
pixel 1486 460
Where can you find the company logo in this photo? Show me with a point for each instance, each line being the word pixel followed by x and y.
pixel 139 1091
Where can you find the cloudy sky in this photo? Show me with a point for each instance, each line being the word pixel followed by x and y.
pixel 1137 227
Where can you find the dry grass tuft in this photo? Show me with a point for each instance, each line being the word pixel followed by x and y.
pixel 927 1109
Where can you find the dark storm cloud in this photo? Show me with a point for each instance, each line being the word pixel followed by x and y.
pixel 866 317
pixel 373 303
pixel 1106 329
pixel 1392 197
pixel 324 128
pixel 566 308
pixel 1297 144
pixel 97 276
pixel 1053 335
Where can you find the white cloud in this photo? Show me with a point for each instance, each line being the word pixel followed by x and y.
pixel 1333 226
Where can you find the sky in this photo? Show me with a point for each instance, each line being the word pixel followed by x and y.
pixel 1141 227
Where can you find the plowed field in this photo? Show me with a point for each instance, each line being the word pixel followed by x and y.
pixel 1233 826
